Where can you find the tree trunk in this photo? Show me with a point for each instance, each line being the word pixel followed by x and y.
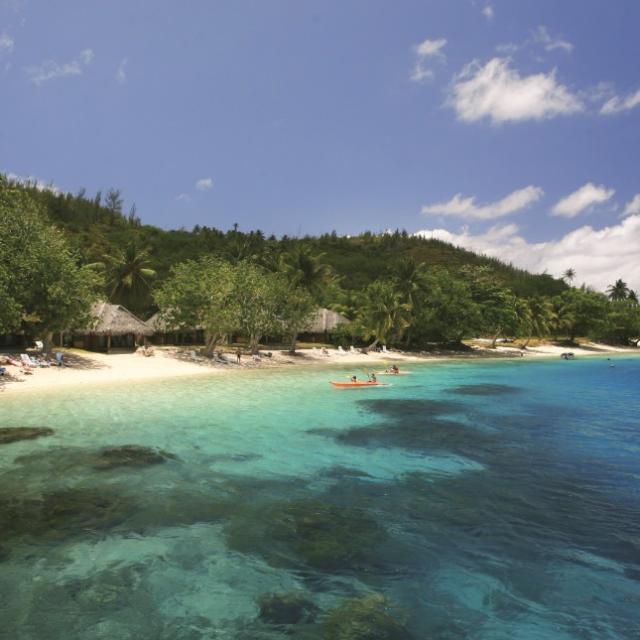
pixel 108 342
pixel 292 344
pixel 494 340
pixel 210 342
pixel 374 344
pixel 526 344
pixel 254 341
pixel 47 342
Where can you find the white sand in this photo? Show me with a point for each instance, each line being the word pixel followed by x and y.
pixel 585 349
pixel 87 368
pixel 90 368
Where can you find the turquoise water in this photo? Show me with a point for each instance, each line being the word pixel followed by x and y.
pixel 492 500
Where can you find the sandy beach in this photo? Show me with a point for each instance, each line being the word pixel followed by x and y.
pixel 85 368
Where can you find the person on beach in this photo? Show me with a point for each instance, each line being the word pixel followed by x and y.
pixel 238 355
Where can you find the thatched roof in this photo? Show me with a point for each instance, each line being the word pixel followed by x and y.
pixel 325 321
pixel 115 320
pixel 159 324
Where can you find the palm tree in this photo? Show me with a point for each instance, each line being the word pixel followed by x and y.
pixel 305 269
pixel 127 275
pixel 569 275
pixel 632 297
pixel 618 291
pixel 540 316
pixel 410 280
pixel 383 312
pixel 562 316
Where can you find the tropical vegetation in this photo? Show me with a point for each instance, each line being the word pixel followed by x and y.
pixel 61 252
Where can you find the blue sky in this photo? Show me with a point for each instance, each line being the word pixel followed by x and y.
pixel 507 126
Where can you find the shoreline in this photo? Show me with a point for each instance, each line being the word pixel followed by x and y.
pixel 87 369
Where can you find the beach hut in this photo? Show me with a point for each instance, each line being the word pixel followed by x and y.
pixel 321 324
pixel 165 333
pixel 113 326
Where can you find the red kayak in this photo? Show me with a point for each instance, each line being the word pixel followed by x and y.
pixel 363 383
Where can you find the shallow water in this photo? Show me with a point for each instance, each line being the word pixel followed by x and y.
pixel 486 500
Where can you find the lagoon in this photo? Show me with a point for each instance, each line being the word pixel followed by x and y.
pixel 484 500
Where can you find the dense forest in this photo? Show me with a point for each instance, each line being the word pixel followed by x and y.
pixel 395 287
pixel 94 226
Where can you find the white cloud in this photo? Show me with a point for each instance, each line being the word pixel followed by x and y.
pixel 599 256
pixel 6 44
pixel 539 38
pixel 121 73
pixel 204 184
pixel 582 200
pixel 86 56
pixel 466 207
pixel 39 184
pixel 500 93
pixel 507 48
pixel 488 12
pixel 426 52
pixel 616 104
pixel 51 70
pixel 632 207
pixel 542 36
pixel 183 197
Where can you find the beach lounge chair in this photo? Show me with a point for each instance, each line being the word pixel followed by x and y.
pixel 59 356
pixel 352 349
pixel 384 348
pixel 27 361
pixel 341 351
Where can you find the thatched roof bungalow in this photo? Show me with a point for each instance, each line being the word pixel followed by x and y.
pixel 165 333
pixel 112 326
pixel 322 323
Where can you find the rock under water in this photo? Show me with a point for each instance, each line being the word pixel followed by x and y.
pixel 131 455
pixel 287 608
pixel 368 618
pixel 14 434
pixel 322 535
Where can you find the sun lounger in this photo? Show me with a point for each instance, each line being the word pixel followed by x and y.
pixel 352 349
pixel 341 351
pixel 384 348
pixel 27 361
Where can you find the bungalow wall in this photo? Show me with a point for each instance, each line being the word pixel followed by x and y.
pixel 92 342
pixel 178 337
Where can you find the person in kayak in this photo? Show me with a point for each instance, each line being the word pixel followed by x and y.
pixel 354 378
pixel 395 369
pixel 372 377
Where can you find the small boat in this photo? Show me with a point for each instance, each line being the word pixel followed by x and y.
pixel 359 383
pixel 392 373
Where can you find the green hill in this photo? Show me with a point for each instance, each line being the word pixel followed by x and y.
pixel 95 225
